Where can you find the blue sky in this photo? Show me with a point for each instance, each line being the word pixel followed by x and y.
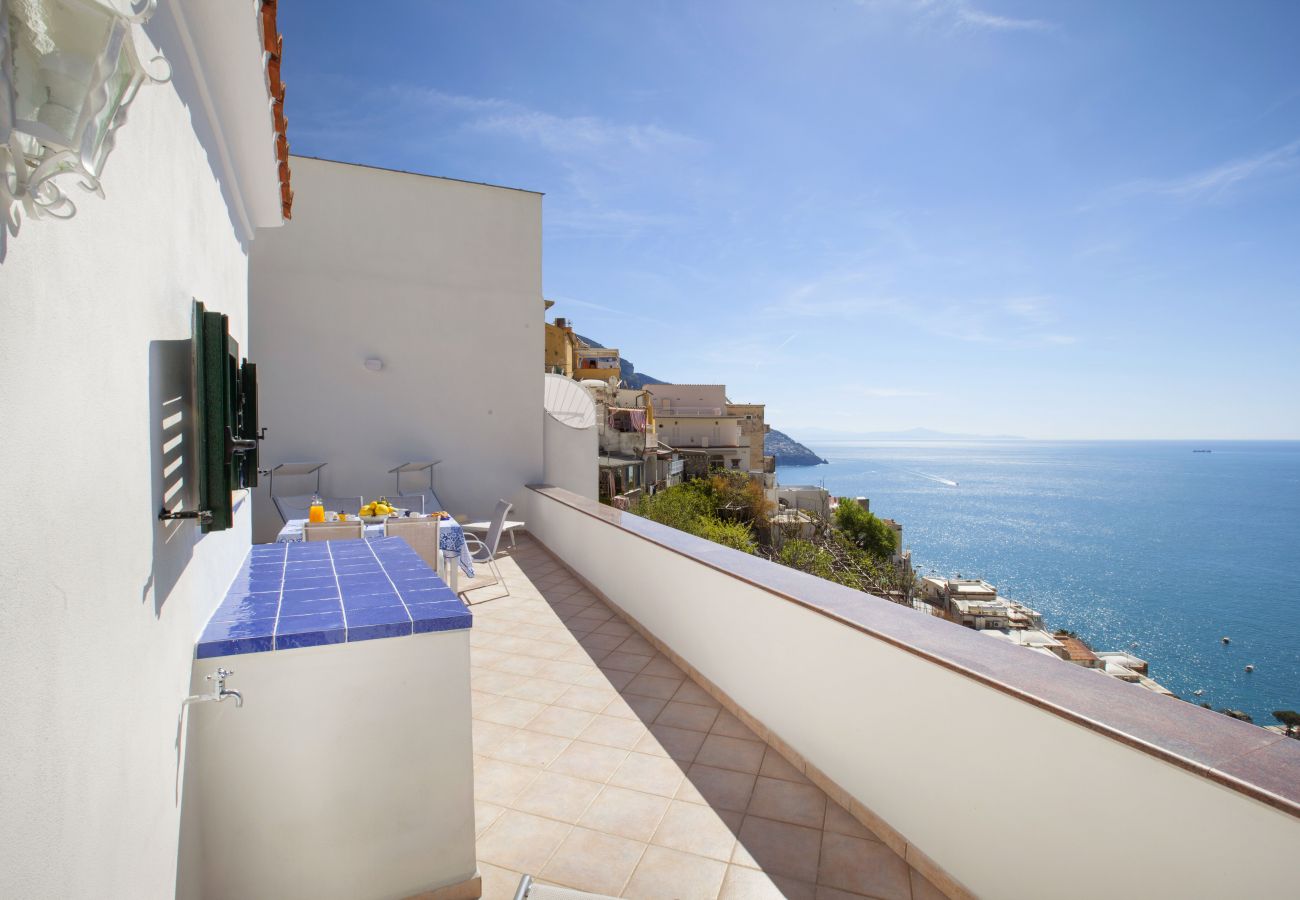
pixel 995 216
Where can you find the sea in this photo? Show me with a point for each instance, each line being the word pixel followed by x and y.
pixel 1147 547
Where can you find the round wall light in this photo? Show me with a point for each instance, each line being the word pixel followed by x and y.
pixel 375 364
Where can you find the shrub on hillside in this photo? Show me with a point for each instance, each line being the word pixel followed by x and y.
pixel 864 530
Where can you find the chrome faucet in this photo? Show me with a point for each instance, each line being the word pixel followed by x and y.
pixel 219 692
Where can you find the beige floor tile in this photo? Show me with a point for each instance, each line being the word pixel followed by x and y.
pixel 840 821
pixel 484 815
pixel 626 813
pixel 651 774
pixel 675 743
pixel 557 796
pixel 864 867
pixel 687 715
pixel 593 762
pixel 785 801
pixel 538 690
pixel 624 661
pixel 662 665
pixel 777 766
pixel 923 889
pixel 492 682
pixel 778 848
pixel 751 884
pixel 520 841
pixel 698 829
pixel 577 654
pixel 488 734
pixel 520 665
pixel 590 699
pixel 613 732
pixel 498 883
pixel 510 711
pixel 731 753
pixel 728 725
pixel 598 641
pixel 594 862
pixel 599 678
pixel 561 721
pixel 653 686
pixel 719 788
pixel 615 627
pixel 528 748
pixel 690 692
pixel 500 782
pixel 641 647
pixel 564 672
pixel 672 873
pixel 635 706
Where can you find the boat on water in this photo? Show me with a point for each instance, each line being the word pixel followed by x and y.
pixel 1202 451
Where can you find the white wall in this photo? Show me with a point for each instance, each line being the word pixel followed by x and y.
pixel 883 724
pixel 101 602
pixel 570 457
pixel 442 280
pixel 347 774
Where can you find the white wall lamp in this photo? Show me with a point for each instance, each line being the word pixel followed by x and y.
pixel 375 364
pixel 68 70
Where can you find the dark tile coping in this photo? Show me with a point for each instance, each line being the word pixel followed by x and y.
pixel 1261 764
pixel 331 592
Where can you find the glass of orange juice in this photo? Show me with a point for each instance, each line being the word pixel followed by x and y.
pixel 316 512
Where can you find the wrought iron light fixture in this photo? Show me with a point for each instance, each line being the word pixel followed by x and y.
pixel 68 70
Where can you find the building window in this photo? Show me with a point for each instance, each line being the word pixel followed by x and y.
pixel 735 464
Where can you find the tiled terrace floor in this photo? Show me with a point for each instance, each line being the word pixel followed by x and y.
pixel 600 766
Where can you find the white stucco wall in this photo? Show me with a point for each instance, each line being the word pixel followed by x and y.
pixel 883 723
pixel 347 774
pixel 570 457
pixel 101 602
pixel 441 280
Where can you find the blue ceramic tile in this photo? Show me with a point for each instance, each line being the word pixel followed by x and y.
pixel 308 569
pixel 436 595
pixel 220 631
pixel 377 615
pixel 308 551
pixel 208 649
pixel 384 630
pixel 318 621
pixel 365 584
pixel 310 639
pixel 295 582
pixel 313 593
pixel 449 623
pixel 294 606
pixel 247 607
pixel 370 601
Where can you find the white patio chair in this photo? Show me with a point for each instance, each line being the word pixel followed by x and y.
pixel 333 531
pixel 536 890
pixel 296 506
pixel 485 551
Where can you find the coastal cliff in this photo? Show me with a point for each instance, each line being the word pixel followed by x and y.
pixel 788 451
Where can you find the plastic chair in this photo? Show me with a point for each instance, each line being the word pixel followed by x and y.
pixel 296 506
pixel 485 551
pixel 333 531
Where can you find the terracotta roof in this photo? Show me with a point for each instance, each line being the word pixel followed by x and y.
pixel 273 42
pixel 1075 649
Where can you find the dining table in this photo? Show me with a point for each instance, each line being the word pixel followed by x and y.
pixel 451 541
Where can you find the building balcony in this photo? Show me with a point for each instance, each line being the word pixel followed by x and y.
pixel 658 715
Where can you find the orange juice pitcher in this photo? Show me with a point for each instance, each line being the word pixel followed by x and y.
pixel 316 512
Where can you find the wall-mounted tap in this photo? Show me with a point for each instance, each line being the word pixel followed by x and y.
pixel 219 691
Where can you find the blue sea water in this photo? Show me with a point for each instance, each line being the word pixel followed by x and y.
pixel 1139 546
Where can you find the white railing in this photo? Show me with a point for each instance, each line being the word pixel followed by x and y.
pixel 691 411
pixel 876 702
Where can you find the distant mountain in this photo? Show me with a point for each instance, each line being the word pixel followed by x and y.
pixel 911 434
pixel 788 451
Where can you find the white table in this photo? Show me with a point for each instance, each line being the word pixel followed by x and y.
pixel 507 527
pixel 451 541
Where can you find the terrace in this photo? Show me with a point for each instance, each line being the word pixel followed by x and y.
pixel 601 765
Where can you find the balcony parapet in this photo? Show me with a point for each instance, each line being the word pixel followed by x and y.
pixel 877 700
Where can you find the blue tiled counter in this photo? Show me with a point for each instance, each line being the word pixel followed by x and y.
pixel 346 768
pixel 329 592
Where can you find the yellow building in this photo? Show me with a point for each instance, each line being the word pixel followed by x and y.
pixel 560 346
pixel 600 363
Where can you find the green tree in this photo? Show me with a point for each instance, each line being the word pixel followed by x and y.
pixel 677 507
pixel 730 534
pixel 867 532
pixel 808 557
pixel 1288 717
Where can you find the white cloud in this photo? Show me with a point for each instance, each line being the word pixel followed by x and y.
pixel 1213 183
pixel 960 15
